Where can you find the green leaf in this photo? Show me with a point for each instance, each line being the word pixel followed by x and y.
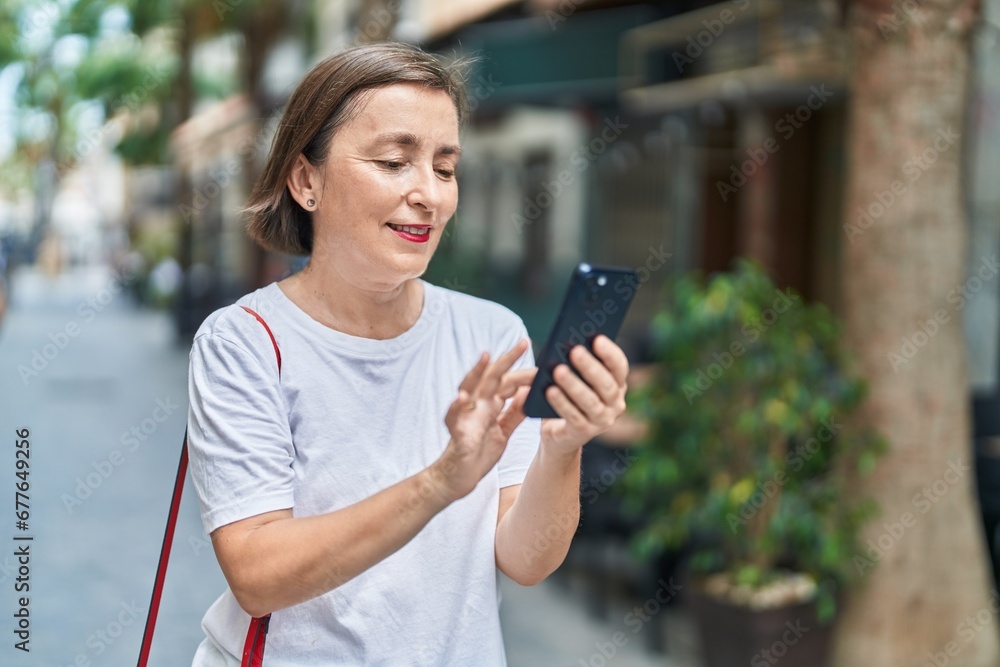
pixel 750 379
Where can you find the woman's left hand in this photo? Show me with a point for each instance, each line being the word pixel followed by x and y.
pixel 588 406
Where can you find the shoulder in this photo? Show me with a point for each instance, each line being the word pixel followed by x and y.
pixel 234 328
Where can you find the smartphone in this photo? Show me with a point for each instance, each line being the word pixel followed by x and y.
pixel 596 302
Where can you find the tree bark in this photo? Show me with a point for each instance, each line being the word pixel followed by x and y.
pixel 262 28
pixel 183 106
pixel 909 90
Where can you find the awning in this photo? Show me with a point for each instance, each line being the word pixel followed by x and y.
pixel 440 17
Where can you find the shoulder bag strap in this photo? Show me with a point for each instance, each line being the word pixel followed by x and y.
pixel 253 649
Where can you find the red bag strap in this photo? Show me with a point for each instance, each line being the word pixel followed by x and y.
pixel 277 352
pixel 161 568
pixel 253 649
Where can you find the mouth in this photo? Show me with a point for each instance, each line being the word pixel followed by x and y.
pixel 414 233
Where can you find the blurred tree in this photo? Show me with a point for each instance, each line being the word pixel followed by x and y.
pixel 906 253
pixel 259 25
pixel 77 65
pixel 132 58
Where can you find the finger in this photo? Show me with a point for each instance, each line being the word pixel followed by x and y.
pixel 474 376
pixel 564 407
pixel 578 391
pixel 613 357
pixel 595 374
pixel 491 378
pixel 456 407
pixel 512 380
pixel 512 417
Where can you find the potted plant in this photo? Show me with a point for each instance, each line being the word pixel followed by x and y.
pixel 747 463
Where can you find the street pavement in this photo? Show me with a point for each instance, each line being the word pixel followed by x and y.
pixel 100 385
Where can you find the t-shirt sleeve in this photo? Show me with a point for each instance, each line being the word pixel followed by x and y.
pixel 524 441
pixel 239 440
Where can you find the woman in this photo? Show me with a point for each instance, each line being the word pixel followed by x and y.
pixel 370 490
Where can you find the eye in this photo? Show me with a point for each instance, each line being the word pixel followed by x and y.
pixel 391 165
pixel 446 173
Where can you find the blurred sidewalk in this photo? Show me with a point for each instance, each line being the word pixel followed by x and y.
pixel 102 388
pixel 548 625
pixel 106 407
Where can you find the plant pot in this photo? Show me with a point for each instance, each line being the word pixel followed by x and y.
pixel 733 635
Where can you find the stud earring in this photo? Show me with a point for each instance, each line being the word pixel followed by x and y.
pixel 310 203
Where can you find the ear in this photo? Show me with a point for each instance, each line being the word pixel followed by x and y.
pixel 304 183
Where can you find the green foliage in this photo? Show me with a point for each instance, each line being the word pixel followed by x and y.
pixel 125 73
pixel 8 34
pixel 749 455
pixel 76 58
pixel 148 15
pixel 83 17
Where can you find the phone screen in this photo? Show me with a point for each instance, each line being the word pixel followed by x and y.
pixel 596 302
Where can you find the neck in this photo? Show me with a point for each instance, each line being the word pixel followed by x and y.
pixel 354 307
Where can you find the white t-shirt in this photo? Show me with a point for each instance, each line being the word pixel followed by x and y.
pixel 349 417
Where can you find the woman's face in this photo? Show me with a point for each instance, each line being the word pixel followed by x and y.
pixel 387 188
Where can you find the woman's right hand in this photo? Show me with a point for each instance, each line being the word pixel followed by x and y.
pixel 479 424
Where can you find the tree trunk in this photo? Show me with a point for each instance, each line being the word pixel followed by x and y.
pixel 185 315
pixel 929 593
pixel 261 28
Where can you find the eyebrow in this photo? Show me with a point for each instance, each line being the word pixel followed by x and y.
pixel 410 139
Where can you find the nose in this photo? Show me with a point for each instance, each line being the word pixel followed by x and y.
pixel 427 191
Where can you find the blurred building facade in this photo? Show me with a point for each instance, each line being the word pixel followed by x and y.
pixel 665 136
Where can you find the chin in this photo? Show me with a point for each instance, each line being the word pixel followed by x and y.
pixel 418 270
pixel 421 258
pixel 410 267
